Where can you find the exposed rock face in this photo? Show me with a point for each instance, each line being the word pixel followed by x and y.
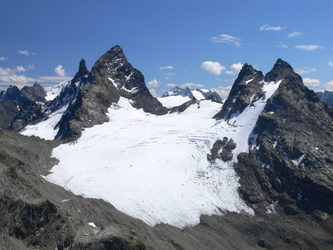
pixel 222 149
pixel 35 93
pixel 291 163
pixel 326 97
pixel 11 104
pixel 246 90
pixel 111 77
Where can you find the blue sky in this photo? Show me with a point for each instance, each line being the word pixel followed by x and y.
pixel 204 43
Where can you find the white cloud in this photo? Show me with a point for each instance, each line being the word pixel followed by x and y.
pixel 308 47
pixel 267 27
pixel 305 70
pixel 225 38
pixel 15 76
pixel 171 85
pixel 214 68
pixel 236 67
pixel 192 84
pixel 153 83
pixel 153 93
pixel 330 63
pixel 223 91
pixel 282 46
pixel 329 85
pixel 170 67
pixel 2 58
pixel 60 70
pixel 25 52
pixel 294 34
pixel 311 82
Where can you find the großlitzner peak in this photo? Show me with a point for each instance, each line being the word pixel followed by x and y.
pixel 111 77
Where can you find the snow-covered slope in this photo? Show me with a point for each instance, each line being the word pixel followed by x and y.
pixel 54 91
pixel 46 129
pixel 173 101
pixel 155 168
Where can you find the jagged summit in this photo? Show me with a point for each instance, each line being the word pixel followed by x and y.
pixel 35 93
pixel 111 78
pixel 246 90
pixel 280 70
pixel 82 72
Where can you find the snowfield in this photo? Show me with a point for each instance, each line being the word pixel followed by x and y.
pixel 46 129
pixel 173 101
pixel 155 168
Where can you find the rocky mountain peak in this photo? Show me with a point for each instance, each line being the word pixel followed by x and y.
pixel 35 92
pixel 13 93
pixel 82 72
pixel 111 78
pixel 280 70
pixel 246 89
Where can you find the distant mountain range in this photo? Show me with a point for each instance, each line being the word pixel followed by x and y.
pixel 99 163
pixel 326 96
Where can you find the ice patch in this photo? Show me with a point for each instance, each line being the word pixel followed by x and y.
pixel 248 81
pixel 92 224
pixel 297 161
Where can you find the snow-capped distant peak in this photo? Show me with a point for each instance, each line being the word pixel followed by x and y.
pixel 53 91
pixel 177 96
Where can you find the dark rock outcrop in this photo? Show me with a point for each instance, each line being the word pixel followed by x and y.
pixel 35 93
pixel 246 90
pixel 11 104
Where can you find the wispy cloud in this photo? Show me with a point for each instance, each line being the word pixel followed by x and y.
pixel 282 46
pixel 308 47
pixel 153 83
pixel 330 63
pixel 225 38
pixel 2 58
pixel 25 52
pixel 311 82
pixel 329 85
pixel 171 85
pixel 192 84
pixel 267 27
pixel 294 34
pixel 169 67
pixel 214 68
pixel 305 70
